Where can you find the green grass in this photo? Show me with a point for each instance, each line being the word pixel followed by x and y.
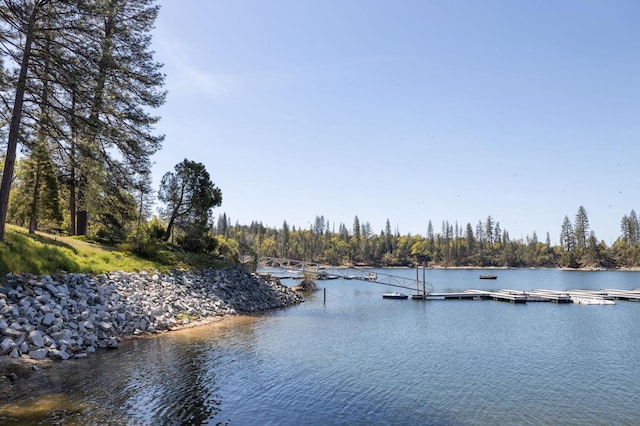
pixel 43 253
pixel 182 316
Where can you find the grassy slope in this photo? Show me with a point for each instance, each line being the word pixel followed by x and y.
pixel 44 253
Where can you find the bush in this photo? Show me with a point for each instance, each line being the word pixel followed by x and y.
pixel 156 229
pixel 228 249
pixel 145 247
pixel 198 243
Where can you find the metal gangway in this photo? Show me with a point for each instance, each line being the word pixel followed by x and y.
pixel 323 272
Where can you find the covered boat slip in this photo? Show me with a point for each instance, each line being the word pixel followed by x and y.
pixel 591 297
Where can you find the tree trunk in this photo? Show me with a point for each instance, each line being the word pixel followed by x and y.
pixel 72 201
pixel 167 234
pixel 14 128
pixel 41 147
pixel 33 219
pixel 73 205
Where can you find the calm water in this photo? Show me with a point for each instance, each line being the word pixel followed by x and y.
pixel 362 360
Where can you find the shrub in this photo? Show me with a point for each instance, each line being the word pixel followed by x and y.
pixel 198 243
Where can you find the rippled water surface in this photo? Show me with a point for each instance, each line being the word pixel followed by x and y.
pixel 359 359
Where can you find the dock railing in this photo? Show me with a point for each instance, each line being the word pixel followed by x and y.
pixel 327 272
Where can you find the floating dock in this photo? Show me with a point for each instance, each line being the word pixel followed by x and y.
pixel 592 297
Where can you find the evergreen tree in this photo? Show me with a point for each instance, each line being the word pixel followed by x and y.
pixel 87 75
pixel 223 225
pixel 470 239
pixel 634 228
pixel 35 198
pixel 488 229
pixel 581 228
pixel 126 84
pixel 567 236
pixel 284 243
pixel 189 196
pixel 22 24
pixel 497 233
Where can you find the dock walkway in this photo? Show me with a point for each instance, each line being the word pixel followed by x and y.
pixel 605 296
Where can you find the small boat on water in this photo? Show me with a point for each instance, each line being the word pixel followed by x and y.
pixel 488 277
pixel 394 295
pixel 418 296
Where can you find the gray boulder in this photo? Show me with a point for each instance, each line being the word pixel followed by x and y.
pixel 36 338
pixel 39 353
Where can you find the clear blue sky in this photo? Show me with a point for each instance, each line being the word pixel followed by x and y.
pixel 407 110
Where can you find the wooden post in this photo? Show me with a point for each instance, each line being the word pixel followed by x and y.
pixel 324 302
pixel 424 279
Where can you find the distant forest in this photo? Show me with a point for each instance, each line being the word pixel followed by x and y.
pixel 486 244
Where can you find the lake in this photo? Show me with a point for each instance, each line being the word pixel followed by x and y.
pixel 360 359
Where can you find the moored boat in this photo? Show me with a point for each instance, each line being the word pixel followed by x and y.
pixel 585 300
pixel 488 277
pixel 394 295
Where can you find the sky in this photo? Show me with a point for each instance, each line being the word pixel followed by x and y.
pixel 407 111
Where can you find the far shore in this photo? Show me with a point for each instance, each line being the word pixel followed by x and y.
pixel 497 268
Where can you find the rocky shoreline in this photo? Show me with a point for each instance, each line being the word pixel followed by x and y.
pixel 72 315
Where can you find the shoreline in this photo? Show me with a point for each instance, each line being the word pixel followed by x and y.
pixel 497 268
pixel 13 369
pixel 43 318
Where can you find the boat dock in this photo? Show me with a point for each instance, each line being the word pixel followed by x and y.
pixel 424 290
pixel 594 297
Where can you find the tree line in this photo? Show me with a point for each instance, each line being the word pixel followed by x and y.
pixel 486 244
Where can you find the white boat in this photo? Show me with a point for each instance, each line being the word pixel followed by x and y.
pixel 591 301
pixel 394 295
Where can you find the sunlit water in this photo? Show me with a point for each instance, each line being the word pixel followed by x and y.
pixel 362 360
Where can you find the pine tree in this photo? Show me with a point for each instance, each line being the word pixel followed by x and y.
pixel 126 82
pixel 21 27
pixel 71 57
pixel 581 228
pixel 567 236
pixel 189 196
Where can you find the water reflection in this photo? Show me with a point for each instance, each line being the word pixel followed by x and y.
pixel 172 377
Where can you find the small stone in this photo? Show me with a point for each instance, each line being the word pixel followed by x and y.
pixel 105 326
pixel 48 318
